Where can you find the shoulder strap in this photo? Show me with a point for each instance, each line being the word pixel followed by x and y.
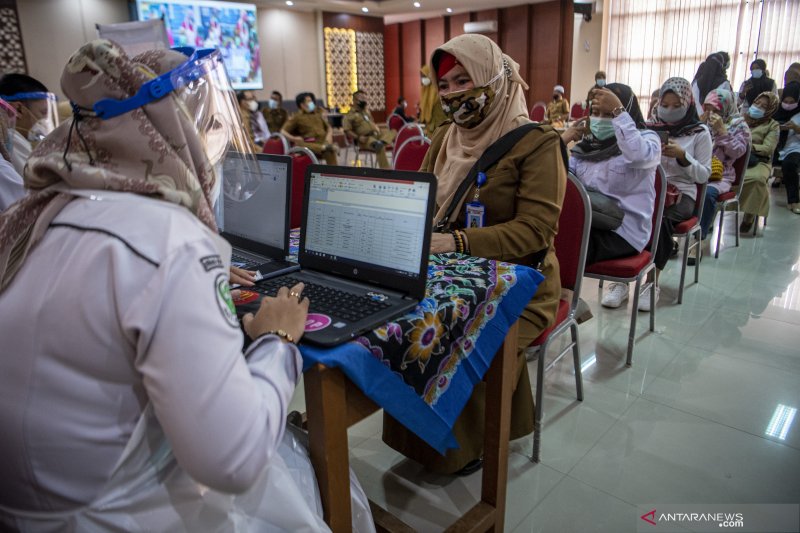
pixel 492 154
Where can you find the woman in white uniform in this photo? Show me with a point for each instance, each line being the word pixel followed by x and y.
pixel 125 400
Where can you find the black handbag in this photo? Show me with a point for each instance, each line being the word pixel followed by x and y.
pixel 606 211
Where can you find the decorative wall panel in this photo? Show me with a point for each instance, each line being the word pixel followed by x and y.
pixel 369 57
pixel 341 69
pixel 12 55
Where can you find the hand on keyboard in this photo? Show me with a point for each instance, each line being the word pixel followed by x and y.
pixel 243 277
pixel 286 311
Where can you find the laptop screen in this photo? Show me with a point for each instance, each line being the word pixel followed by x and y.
pixel 365 221
pixel 258 214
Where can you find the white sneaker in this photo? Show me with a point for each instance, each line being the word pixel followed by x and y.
pixel 644 297
pixel 616 294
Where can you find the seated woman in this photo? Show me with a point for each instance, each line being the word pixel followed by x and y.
pixel 482 92
pixel 686 160
pixel 557 112
pixel 789 149
pixel 731 138
pixel 618 158
pixel 710 75
pixel 764 133
pixel 758 82
pixel 128 403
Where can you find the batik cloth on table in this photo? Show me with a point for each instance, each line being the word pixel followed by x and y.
pixel 421 368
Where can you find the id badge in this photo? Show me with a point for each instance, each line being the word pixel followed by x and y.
pixel 476 213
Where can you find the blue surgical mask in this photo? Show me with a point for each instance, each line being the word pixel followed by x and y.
pixel 273 104
pixel 757 73
pixel 755 112
pixel 671 115
pixel 311 107
pixel 600 82
pixel 602 128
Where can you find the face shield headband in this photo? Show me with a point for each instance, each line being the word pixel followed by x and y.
pixel 41 106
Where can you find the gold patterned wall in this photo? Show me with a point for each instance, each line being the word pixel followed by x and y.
pixel 354 60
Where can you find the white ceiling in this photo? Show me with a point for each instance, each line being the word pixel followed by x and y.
pixel 395 10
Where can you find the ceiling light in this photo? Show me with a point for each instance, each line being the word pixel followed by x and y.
pixel 417 4
pixel 289 3
pixel 365 9
pixel 449 9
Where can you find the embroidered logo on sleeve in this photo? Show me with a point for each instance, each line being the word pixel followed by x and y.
pixel 210 262
pixel 224 300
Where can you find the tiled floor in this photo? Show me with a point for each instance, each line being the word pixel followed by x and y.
pixel 688 423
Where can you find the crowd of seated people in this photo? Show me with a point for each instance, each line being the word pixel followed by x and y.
pixel 146 360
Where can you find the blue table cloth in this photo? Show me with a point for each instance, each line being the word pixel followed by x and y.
pixel 421 368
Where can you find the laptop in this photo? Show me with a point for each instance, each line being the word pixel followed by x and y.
pixel 254 217
pixel 364 247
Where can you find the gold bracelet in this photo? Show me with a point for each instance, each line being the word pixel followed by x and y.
pixel 282 334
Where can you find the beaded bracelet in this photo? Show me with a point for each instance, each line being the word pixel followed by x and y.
pixel 282 334
pixel 458 240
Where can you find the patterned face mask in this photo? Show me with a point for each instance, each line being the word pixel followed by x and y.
pixel 468 108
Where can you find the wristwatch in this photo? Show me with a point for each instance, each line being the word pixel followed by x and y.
pixel 618 111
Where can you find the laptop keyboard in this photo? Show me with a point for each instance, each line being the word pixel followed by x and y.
pixel 326 300
pixel 247 264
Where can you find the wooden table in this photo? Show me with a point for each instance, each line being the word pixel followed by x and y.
pixel 334 403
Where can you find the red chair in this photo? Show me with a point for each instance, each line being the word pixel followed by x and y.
pixel 396 122
pixel 635 267
pixel 412 129
pixel 411 153
pixel 537 112
pixel 576 112
pixel 732 197
pixel 276 144
pixel 302 157
pixel 570 244
pixel 690 229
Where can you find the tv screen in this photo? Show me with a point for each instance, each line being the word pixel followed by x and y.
pixel 228 26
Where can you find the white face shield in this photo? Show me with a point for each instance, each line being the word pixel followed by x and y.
pixel 37 114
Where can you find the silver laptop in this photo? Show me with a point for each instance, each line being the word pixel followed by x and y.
pixel 254 215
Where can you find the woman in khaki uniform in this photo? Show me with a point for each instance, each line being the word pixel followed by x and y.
pixel 764 134
pixel 482 91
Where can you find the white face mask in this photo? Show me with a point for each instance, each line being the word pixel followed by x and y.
pixel 40 129
pixel 273 104
pixel 252 105
pixel 426 81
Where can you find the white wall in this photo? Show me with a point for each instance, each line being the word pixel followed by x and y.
pixel 291 41
pixel 585 62
pixel 291 44
pixel 53 29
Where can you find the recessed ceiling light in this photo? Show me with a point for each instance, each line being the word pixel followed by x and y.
pixel 449 9
pixel 289 3
pixel 417 4
pixel 365 9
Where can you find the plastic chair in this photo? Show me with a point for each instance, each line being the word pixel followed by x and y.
pixel 395 122
pixel 570 244
pixel 412 129
pixel 732 197
pixel 690 229
pixel 635 267
pixel 537 112
pixel 276 144
pixel 411 153
pixel 302 157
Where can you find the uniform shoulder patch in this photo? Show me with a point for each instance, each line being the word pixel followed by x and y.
pixel 210 262
pixel 222 291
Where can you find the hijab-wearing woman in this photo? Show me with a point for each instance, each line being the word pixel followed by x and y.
pixel 482 92
pixel 710 75
pixel 757 83
pixel 788 116
pixel 127 401
pixel 685 158
pixel 617 157
pixel 764 134
pixel 731 138
pixel 792 74
pixel 557 113
pixel 430 110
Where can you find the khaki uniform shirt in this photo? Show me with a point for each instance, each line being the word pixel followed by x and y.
pixel 307 126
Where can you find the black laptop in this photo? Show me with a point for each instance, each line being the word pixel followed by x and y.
pixel 254 217
pixel 364 248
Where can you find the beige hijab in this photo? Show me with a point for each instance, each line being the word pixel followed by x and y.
pixel 154 150
pixel 461 147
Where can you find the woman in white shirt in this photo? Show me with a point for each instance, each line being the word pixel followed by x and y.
pixel 618 158
pixel 686 160
pixel 127 401
pixel 711 74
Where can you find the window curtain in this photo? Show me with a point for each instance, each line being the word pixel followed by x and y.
pixel 649 42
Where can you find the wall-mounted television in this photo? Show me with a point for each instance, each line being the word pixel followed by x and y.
pixel 228 26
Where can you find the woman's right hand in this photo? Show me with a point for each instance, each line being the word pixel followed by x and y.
pixel 286 311
pixel 575 132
